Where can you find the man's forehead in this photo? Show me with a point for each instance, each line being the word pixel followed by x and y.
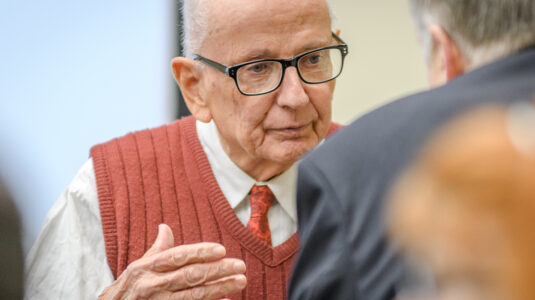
pixel 262 5
pixel 261 28
pixel 230 13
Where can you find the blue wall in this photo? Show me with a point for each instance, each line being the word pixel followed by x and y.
pixel 72 74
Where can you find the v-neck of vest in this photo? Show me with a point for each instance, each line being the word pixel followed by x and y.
pixel 225 215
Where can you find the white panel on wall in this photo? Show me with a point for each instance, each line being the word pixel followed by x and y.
pixel 73 74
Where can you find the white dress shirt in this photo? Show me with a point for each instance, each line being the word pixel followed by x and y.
pixel 68 259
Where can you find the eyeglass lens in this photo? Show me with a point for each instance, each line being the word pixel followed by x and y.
pixel 315 67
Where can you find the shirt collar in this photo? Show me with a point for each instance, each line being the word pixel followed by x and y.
pixel 235 183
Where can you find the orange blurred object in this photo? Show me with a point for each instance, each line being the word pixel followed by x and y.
pixel 465 209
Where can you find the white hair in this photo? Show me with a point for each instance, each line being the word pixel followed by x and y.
pixel 484 30
pixel 195 23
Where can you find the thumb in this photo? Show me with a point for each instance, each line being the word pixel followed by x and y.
pixel 164 240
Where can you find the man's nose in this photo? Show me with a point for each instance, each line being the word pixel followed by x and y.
pixel 292 93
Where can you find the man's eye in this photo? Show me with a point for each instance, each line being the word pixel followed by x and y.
pixel 257 68
pixel 313 59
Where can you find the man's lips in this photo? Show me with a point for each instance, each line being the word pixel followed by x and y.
pixel 291 131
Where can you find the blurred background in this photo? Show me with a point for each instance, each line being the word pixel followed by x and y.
pixel 76 73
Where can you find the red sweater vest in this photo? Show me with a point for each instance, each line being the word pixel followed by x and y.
pixel 163 176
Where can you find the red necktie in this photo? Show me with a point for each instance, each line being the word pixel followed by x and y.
pixel 261 199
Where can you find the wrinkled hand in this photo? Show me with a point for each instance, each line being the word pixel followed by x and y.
pixel 196 271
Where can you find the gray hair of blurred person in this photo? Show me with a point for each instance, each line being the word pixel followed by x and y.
pixel 195 21
pixel 484 30
pixel 11 257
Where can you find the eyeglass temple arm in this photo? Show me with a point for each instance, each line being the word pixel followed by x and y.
pixel 221 68
pixel 338 39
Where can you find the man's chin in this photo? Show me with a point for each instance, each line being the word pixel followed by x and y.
pixel 291 151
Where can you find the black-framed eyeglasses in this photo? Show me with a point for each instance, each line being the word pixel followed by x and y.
pixel 264 76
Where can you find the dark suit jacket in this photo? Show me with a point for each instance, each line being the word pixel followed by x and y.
pixel 342 185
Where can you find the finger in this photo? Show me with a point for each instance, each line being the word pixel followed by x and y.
pixel 199 274
pixel 208 282
pixel 177 257
pixel 220 289
pixel 164 240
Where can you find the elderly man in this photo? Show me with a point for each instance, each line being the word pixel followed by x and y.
pixel 479 51
pixel 258 79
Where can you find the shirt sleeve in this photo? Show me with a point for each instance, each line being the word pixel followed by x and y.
pixel 68 259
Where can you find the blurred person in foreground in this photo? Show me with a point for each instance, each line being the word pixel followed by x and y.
pixel 465 210
pixel 480 51
pixel 11 257
pixel 258 77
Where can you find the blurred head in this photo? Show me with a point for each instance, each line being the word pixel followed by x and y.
pixel 263 134
pixel 461 35
pixel 466 207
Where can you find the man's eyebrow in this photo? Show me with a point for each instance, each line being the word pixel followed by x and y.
pixel 256 54
pixel 316 45
pixel 311 47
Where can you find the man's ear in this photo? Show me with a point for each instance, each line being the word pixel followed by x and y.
pixel 449 62
pixel 188 77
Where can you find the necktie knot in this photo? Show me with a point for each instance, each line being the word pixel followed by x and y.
pixel 261 198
